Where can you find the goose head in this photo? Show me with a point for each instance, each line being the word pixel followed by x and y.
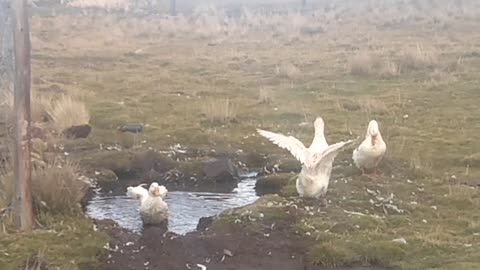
pixel 373 132
pixel 319 126
pixel 157 190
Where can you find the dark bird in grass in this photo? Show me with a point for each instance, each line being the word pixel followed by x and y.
pixel 134 128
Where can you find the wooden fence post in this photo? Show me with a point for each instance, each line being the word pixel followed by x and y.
pixel 22 161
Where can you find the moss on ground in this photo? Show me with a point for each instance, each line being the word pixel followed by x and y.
pixel 272 183
pixel 65 242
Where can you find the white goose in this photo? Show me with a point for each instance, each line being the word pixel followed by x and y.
pixel 296 147
pixel 153 208
pixel 370 152
pixel 313 180
pixel 138 192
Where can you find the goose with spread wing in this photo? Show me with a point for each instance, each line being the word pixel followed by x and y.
pixel 317 160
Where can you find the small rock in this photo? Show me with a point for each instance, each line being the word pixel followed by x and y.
pixel 400 241
pixel 75 132
pixel 228 253
pixel 105 176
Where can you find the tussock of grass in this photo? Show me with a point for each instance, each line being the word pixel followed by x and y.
pixel 364 63
pixel 219 110
pixel 370 64
pixel 288 70
pixel 332 254
pixel 419 57
pixel 55 188
pixel 67 112
pixel 58 188
pixel 39 105
pixel 265 95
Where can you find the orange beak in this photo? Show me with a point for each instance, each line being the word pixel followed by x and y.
pixel 374 139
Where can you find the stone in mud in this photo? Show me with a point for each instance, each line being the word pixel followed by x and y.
pixel 105 177
pixel 204 223
pixel 79 131
pixel 254 160
pixel 149 160
pixel 220 170
pixel 272 184
pixel 128 163
pixel 218 173
pixel 119 162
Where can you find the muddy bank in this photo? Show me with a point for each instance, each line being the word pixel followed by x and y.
pixel 214 248
pixel 185 171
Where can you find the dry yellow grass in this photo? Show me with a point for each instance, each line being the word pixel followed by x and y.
pixel 369 63
pixel 39 105
pixel 419 57
pixel 56 188
pixel 364 63
pixel 67 112
pixel 265 95
pixel 219 110
pixel 288 70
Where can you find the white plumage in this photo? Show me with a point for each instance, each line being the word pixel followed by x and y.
pixel 317 160
pixel 313 180
pixel 296 147
pixel 370 152
pixel 153 208
pixel 138 192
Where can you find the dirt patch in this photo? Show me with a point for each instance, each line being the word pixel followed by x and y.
pixel 239 250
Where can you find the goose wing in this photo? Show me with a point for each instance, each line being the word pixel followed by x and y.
pixel 292 144
pixel 323 161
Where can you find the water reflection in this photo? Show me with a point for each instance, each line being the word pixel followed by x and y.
pixel 186 208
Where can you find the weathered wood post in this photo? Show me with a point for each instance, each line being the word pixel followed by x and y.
pixel 22 162
pixel 173 8
pixel 6 45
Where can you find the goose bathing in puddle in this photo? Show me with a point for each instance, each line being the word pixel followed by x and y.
pixel 153 208
pixel 370 152
pixel 317 160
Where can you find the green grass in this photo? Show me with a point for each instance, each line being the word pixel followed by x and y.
pixel 65 242
pixel 429 118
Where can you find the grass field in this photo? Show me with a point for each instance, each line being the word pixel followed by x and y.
pixel 209 82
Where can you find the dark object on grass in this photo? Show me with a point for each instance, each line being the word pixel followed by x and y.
pixel 132 127
pixel 80 131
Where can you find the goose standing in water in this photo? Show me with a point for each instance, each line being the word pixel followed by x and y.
pixel 153 208
pixel 317 160
pixel 138 192
pixel 370 152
